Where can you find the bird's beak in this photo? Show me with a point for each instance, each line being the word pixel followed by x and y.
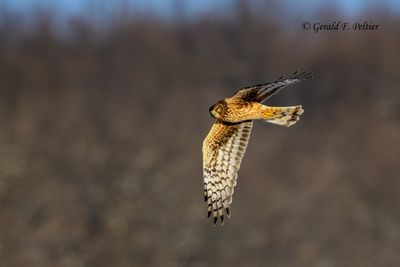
pixel 213 113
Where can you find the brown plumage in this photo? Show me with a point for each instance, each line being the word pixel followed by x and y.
pixel 225 144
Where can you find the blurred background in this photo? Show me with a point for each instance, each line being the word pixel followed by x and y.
pixel 104 107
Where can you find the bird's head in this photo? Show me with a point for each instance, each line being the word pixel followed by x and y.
pixel 218 109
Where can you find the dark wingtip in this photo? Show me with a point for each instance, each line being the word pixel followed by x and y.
pixel 228 212
pixel 215 220
pixel 300 75
pixel 306 75
pixel 205 198
pixel 209 214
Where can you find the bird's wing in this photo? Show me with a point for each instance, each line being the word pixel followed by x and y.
pixel 261 92
pixel 223 150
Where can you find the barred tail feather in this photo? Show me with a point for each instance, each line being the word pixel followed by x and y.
pixel 284 116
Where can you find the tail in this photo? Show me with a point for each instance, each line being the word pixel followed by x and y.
pixel 284 116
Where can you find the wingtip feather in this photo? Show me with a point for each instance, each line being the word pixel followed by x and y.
pixel 228 212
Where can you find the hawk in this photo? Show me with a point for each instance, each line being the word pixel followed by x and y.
pixel 225 144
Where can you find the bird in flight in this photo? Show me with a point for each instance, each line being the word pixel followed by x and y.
pixel 225 144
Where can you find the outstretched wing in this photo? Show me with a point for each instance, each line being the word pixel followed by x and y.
pixel 261 92
pixel 223 150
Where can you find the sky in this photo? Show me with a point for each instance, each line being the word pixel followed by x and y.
pixel 165 8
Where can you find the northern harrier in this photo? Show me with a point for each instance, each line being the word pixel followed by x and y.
pixel 225 144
